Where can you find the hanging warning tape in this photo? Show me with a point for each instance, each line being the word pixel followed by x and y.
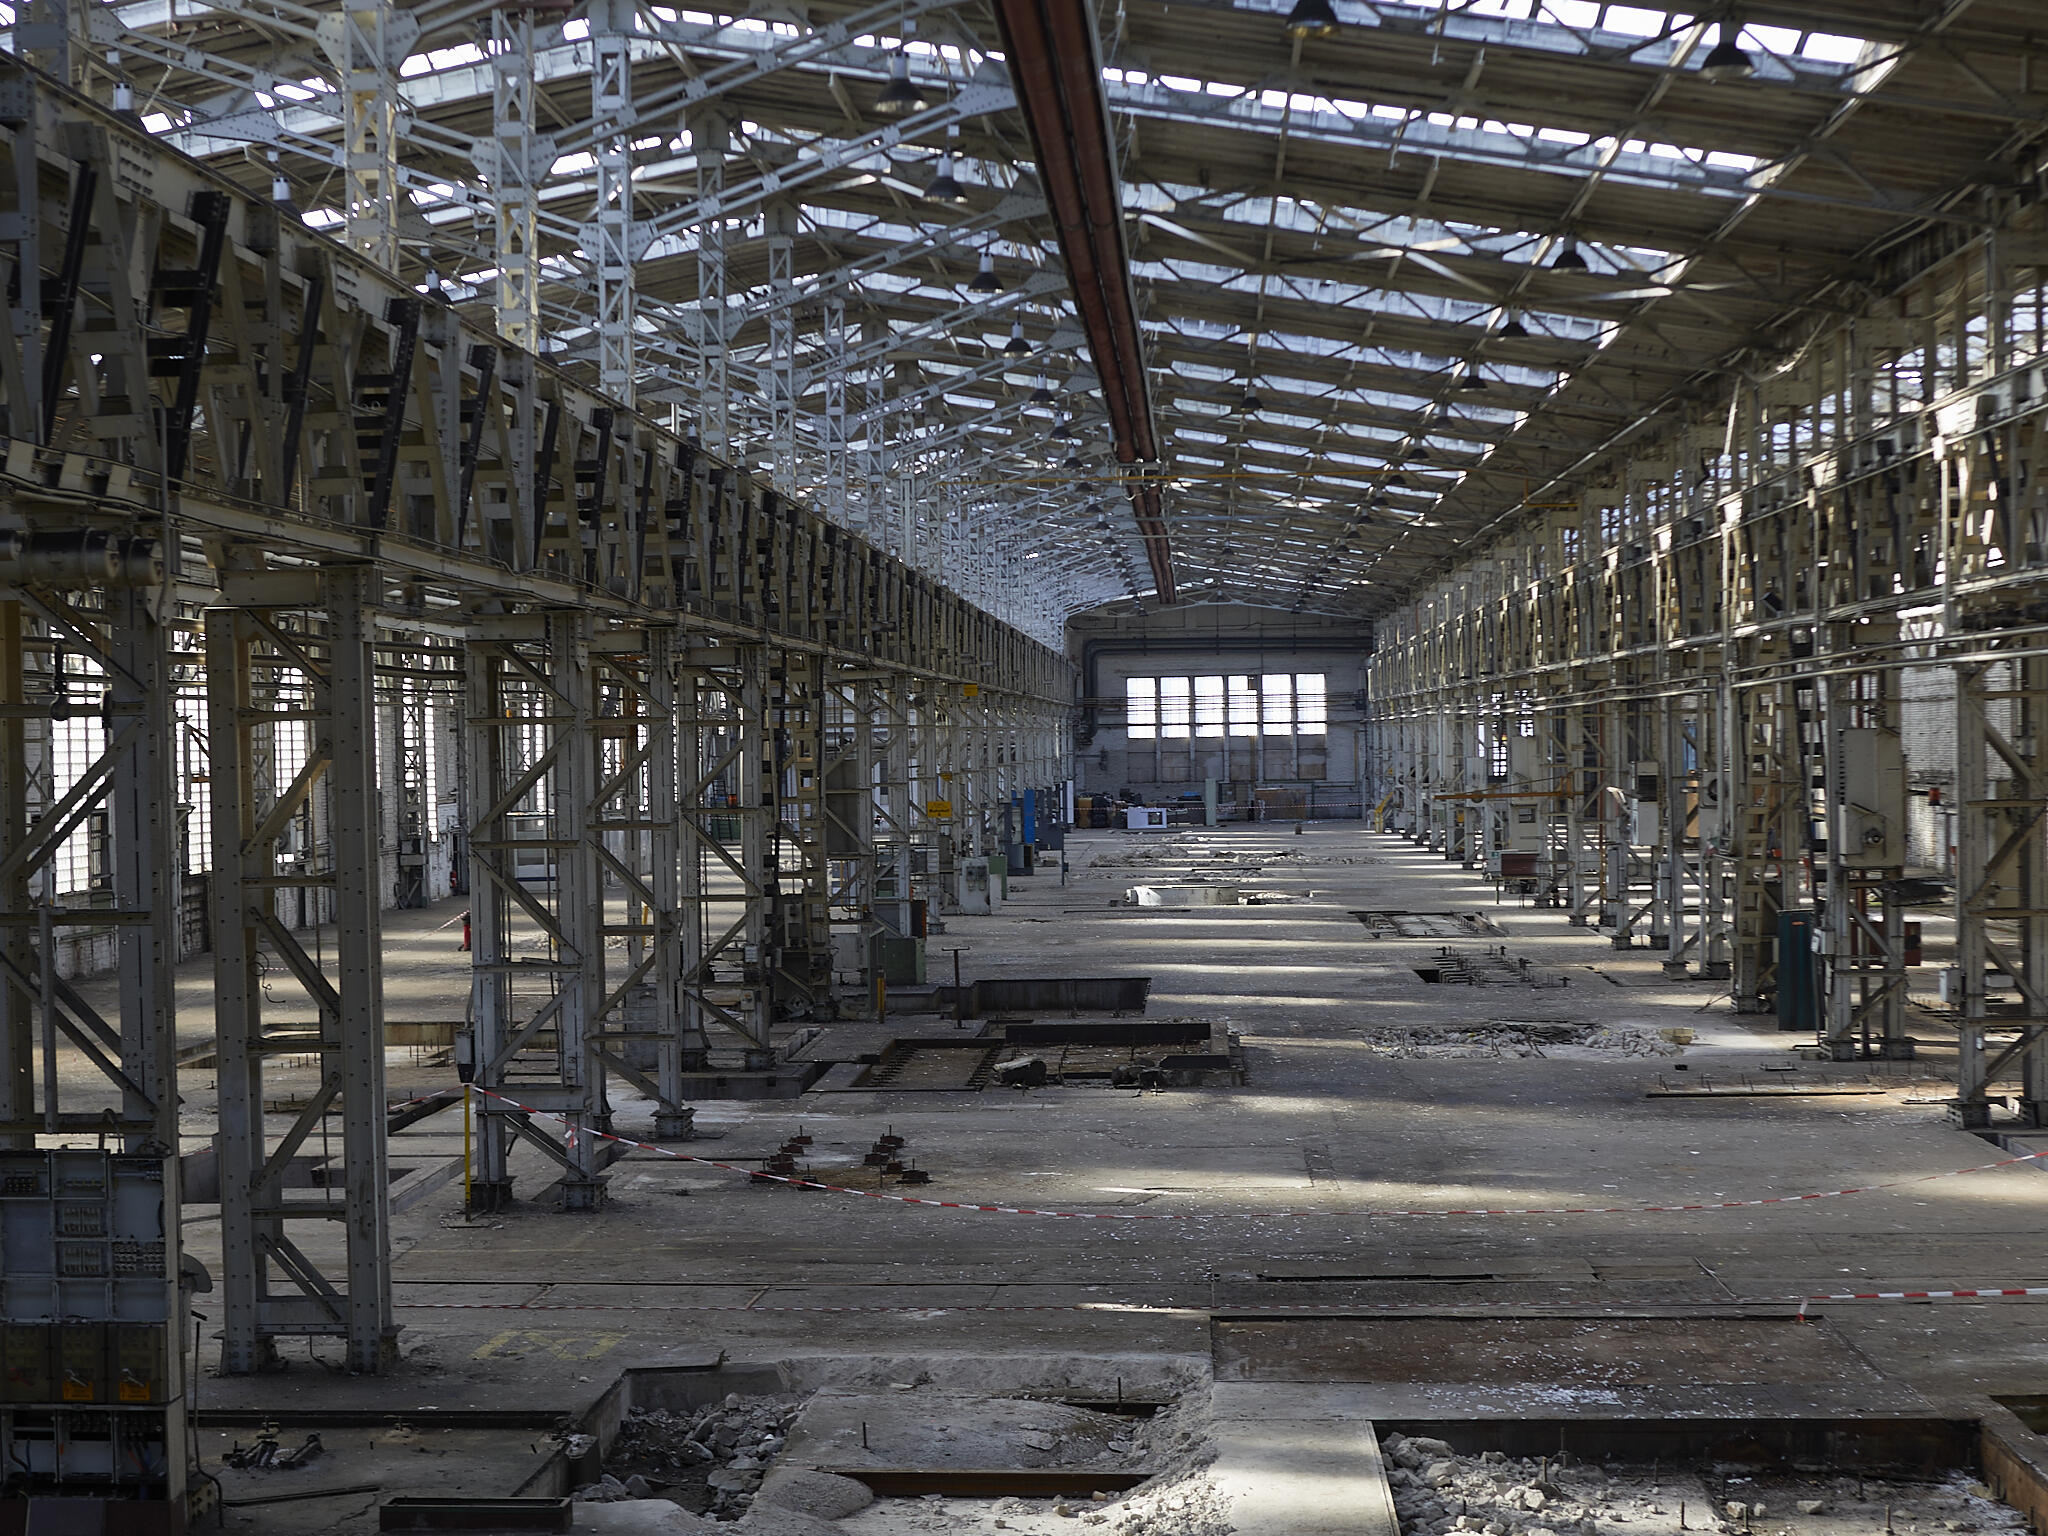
pixel 1021 1210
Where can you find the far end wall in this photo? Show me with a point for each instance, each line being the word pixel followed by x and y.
pixel 1211 641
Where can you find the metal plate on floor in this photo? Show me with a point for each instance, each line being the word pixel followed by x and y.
pixel 933 1065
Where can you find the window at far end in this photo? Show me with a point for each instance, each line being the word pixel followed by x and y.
pixel 1311 705
pixel 1141 708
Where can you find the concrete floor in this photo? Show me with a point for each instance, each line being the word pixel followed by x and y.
pixel 1273 1195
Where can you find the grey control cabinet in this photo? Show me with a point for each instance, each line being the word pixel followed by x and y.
pixel 90 1400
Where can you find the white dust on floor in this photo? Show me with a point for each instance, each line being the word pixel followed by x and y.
pixel 1438 1491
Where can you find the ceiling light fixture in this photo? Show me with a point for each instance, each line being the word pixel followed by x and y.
pixel 1727 61
pixel 1251 404
pixel 985 279
pixel 1017 346
pixel 900 97
pixel 945 187
pixel 1514 330
pixel 1043 395
pixel 1311 18
pixel 1569 258
pixel 1472 379
pixel 281 190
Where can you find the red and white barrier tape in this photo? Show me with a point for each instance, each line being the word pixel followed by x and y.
pixel 1020 1210
pixel 1984 1293
pixel 1998 1290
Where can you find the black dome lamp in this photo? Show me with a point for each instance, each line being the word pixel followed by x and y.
pixel 1017 346
pixel 900 97
pixel 985 279
pixel 1727 60
pixel 1311 18
pixel 1043 395
pixel 1251 404
pixel 945 187
pixel 1514 330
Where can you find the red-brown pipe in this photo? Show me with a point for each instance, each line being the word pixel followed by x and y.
pixel 1050 45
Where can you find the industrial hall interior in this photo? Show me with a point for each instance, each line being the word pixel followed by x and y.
pixel 879 767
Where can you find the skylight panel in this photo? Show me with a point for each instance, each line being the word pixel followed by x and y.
pixel 1641 23
pixel 1583 14
pixel 458 57
pixel 1828 47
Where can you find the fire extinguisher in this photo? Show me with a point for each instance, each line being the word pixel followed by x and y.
pixel 465 932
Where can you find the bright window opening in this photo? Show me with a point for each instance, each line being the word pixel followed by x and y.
pixel 1237 704
pixel 1141 708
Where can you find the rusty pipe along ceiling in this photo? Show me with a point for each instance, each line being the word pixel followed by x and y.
pixel 1057 72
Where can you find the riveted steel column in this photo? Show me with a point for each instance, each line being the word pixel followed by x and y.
pixel 372 1335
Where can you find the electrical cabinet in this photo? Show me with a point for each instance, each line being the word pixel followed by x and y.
pixel 1870 787
pixel 89 1406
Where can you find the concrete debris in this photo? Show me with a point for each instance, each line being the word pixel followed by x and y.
pixel 1023 1072
pixel 774 1520
pixel 818 1494
pixel 710 1460
pixel 1204 855
pixel 640 1517
pixel 1587 1042
pixel 1499 1495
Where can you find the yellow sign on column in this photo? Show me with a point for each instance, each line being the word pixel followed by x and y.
pixel 939 810
pixel 970 690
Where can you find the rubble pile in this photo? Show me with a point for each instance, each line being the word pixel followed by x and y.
pixel 1475 1041
pixel 1631 1040
pixel 710 1461
pixel 1437 1491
